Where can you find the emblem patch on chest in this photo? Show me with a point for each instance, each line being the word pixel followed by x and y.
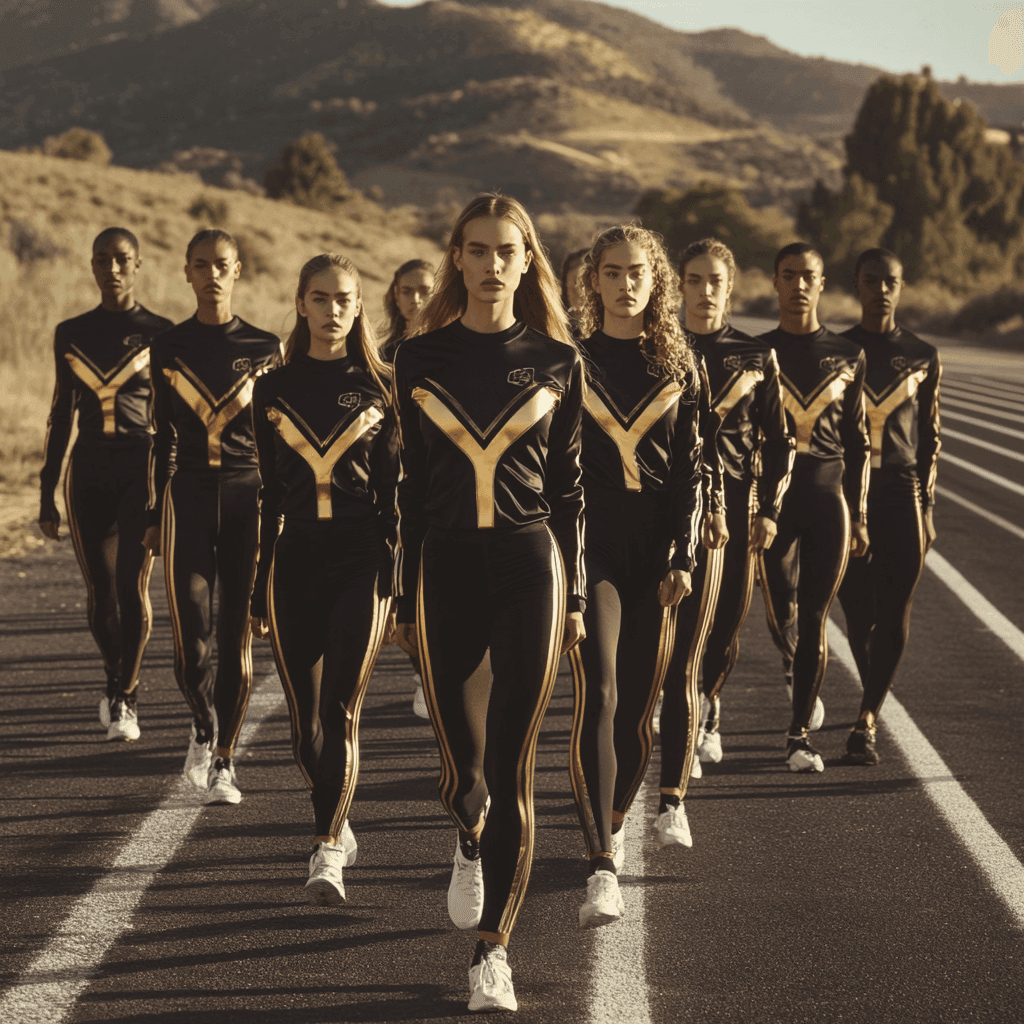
pixel 521 377
pixel 243 365
pixel 349 400
pixel 899 363
pixel 733 363
pixel 831 364
pixel 132 341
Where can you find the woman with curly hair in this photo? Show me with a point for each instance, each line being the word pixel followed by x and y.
pixel 642 472
pixel 489 397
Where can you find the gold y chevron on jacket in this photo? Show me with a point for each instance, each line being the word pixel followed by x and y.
pixel 627 429
pixel 321 455
pixel 484 447
pixel 106 386
pixel 215 413
pixel 806 410
pixel 738 386
pixel 880 407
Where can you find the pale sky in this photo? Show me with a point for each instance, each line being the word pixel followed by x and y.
pixel 897 36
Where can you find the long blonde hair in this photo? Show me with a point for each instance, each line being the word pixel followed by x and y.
pixel 362 342
pixel 663 340
pixel 396 325
pixel 537 301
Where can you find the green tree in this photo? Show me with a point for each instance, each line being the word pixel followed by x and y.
pixel 79 144
pixel 308 175
pixel 922 180
pixel 711 208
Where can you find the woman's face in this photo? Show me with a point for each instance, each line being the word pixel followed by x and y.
pixel 706 288
pixel 493 259
pixel 624 279
pixel 412 291
pixel 330 305
pixel 574 286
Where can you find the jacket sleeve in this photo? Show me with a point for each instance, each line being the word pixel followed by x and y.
pixel 856 445
pixel 411 495
pixel 777 446
pixel 928 428
pixel 58 431
pixel 712 470
pixel 693 477
pixel 164 437
pixel 384 478
pixel 269 500
pixel 563 487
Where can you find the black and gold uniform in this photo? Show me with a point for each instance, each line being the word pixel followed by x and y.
pixel 901 391
pixel 206 491
pixel 328 458
pixel 822 378
pixel 102 366
pixel 490 556
pixel 747 409
pixel 642 476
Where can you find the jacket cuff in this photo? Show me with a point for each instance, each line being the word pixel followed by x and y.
pixel 574 603
pixel 405 608
pixel 681 561
pixel 768 512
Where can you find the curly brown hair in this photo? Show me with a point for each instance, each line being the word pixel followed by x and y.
pixel 663 340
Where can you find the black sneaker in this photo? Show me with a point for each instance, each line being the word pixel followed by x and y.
pixel 860 747
pixel 801 756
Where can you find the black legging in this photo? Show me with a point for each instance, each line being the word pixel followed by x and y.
pixel 106 491
pixel 878 590
pixel 619 668
pixel 210 537
pixel 680 712
pixel 504 590
pixel 329 598
pixel 800 574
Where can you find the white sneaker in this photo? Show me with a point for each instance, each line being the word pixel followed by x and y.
pixel 198 761
pixel 673 827
pixel 466 890
pixel 656 720
pixel 105 712
pixel 325 887
pixel 619 848
pixel 419 702
pixel 801 756
pixel 710 748
pixel 817 715
pixel 490 983
pixel 604 901
pixel 220 784
pixel 696 772
pixel 122 720
pixel 348 844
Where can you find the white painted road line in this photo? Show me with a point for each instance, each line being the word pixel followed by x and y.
pixel 997 428
pixel 987 390
pixel 1004 871
pixel 618 985
pixel 978 510
pixel 994 478
pixel 984 400
pixel 1006 453
pixel 51 985
pixel 977 603
pixel 957 403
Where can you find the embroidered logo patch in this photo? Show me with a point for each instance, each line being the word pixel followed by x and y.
pixel 899 363
pixel 132 341
pixel 349 400
pixel 243 365
pixel 521 377
pixel 830 363
pixel 733 363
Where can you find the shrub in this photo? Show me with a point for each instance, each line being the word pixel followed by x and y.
pixel 308 175
pixel 209 209
pixel 79 144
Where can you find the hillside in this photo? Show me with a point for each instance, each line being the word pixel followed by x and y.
pixel 50 210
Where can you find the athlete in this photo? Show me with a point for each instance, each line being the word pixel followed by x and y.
pixel 573 293
pixel 328 456
pixel 746 403
pixel 102 370
pixel 901 393
pixel 824 517
pixel 206 489
pixel 407 294
pixel 642 475
pixel 490 548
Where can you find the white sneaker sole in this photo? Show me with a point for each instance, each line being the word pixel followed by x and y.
pixel 322 892
pixel 598 916
pixel 128 732
pixel 224 795
pixel 105 714
pixel 802 762
pixel 817 715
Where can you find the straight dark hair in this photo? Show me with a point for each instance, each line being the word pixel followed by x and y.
pixel 397 325
pixel 210 235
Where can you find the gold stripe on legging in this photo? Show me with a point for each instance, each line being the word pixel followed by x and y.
pixel 769 608
pixel 378 627
pixel 645 730
pixel 528 755
pixel 245 660
pixel 584 807
pixel 840 573
pixel 79 546
pixel 142 585
pixel 705 619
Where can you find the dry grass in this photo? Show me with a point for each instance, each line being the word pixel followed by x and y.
pixel 60 205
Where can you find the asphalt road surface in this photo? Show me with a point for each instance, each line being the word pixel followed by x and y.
pixel 886 894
